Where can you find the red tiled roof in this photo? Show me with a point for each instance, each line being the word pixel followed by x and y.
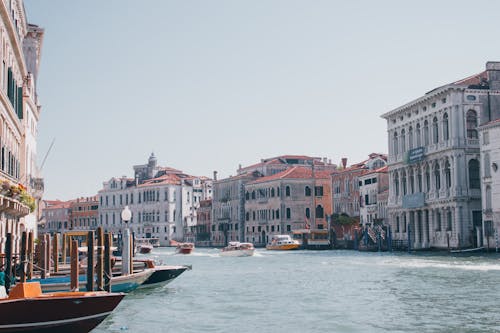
pixel 296 172
pixel 379 170
pixel 472 80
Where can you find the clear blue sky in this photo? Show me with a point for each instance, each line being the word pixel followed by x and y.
pixel 208 85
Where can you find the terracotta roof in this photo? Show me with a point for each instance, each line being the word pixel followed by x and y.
pixel 296 172
pixel 379 170
pixel 475 79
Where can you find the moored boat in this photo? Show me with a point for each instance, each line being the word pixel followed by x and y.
pixel 282 243
pixel 119 283
pixel 237 249
pixel 28 310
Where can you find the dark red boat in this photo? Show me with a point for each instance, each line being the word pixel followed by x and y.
pixel 28 310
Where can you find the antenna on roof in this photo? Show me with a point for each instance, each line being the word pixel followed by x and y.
pixel 47 154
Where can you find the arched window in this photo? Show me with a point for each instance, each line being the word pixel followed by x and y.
pixel 410 138
pixel 307 191
pixel 247 196
pixel 397 223
pixel 403 141
pixel 486 165
pixel 319 212
pixel 446 131
pixel 488 197
pixel 395 143
pixel 474 177
pixel 435 130
pixel 253 194
pixel 396 184
pixel 411 182
pixel 448 220
pixel 287 191
pixel 419 139
pixel 247 216
pixel 447 173
pixel 288 213
pixel 427 179
pixel 471 124
pixel 272 192
pixel 437 176
pixel 308 213
pixel 403 181
pixel 277 191
pixel 426 133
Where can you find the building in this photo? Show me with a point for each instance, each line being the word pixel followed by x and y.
pixel 56 217
pixel 434 162
pixel 163 202
pixel 295 199
pixel 204 223
pixel 19 115
pixel 373 191
pixel 228 205
pixel 84 213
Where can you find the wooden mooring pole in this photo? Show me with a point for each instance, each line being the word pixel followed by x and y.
pixel 24 256
pixel 90 261
pixel 31 251
pixel 100 258
pixel 8 261
pixel 74 266
pixel 55 253
pixel 107 261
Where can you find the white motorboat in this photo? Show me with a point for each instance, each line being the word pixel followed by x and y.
pixel 237 249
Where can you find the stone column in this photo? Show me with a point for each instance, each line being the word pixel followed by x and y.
pixel 426 227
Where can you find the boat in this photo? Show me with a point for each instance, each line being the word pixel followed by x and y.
pixel 27 309
pixel 237 249
pixel 282 243
pixel 184 248
pixel 474 250
pixel 143 247
pixel 312 239
pixel 119 283
pixel 162 274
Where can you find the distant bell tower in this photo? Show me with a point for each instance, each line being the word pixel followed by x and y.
pixel 152 161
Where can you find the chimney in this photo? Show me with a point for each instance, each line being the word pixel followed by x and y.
pixel 215 175
pixel 344 162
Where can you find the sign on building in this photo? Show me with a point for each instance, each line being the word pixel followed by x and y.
pixel 415 200
pixel 415 155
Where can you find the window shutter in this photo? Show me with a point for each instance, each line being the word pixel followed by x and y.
pixel 9 84
pixel 20 102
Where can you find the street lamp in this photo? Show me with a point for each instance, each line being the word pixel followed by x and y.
pixel 127 252
pixel 126 214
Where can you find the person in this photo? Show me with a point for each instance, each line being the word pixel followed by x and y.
pixel 3 291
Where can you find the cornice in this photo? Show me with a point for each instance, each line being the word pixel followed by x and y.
pixel 13 37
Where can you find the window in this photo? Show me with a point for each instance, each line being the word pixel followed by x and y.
pixel 272 192
pixel 426 133
pixel 435 130
pixel 395 143
pixel 474 177
pixel 486 165
pixel 397 223
pixel 403 181
pixel 438 221
pixel 446 134
pixel 403 141
pixel 287 191
pixel 318 191
pixel 488 198
pixel 288 213
pixel 486 137
pixel 471 124
pixel 319 212
pixel 437 176
pixel 447 173
pixel 448 221
pixel 410 138
pixel 396 184
pixel 417 132
pixel 308 213
pixel 307 191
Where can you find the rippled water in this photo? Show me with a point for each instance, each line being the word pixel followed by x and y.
pixel 317 291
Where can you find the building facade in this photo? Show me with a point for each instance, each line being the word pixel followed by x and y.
pixel 56 217
pixel 19 114
pixel 434 163
pixel 373 184
pixel 84 213
pixel 295 199
pixel 163 202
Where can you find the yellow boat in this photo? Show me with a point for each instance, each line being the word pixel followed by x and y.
pixel 282 243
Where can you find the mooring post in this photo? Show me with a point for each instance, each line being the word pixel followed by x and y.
pixel 74 266
pixel 389 238
pixel 8 261
pixel 409 238
pixel 100 257
pixel 107 261
pixel 64 249
pixel 126 253
pixel 356 239
pixel 55 253
pixel 31 250
pixel 379 241
pixel 90 261
pixel 24 256
pixel 47 254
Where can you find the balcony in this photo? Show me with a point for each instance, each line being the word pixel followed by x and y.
pixel 13 207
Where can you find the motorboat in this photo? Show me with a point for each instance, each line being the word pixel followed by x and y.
pixel 184 248
pixel 119 283
pixel 27 309
pixel 143 246
pixel 282 243
pixel 237 249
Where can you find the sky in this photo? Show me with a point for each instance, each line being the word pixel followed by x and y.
pixel 208 85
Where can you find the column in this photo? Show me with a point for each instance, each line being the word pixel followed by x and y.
pixel 426 228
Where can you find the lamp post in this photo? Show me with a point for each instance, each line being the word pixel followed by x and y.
pixel 126 244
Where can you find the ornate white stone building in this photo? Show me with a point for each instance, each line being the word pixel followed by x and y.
pixel 163 201
pixel 434 163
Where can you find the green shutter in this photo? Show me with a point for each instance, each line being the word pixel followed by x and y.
pixel 20 102
pixel 9 84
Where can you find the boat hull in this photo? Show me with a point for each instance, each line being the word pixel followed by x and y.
pixel 283 247
pixel 145 249
pixel 118 283
pixel 56 314
pixel 164 275
pixel 184 251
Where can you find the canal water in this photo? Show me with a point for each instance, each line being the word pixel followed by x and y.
pixel 317 291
